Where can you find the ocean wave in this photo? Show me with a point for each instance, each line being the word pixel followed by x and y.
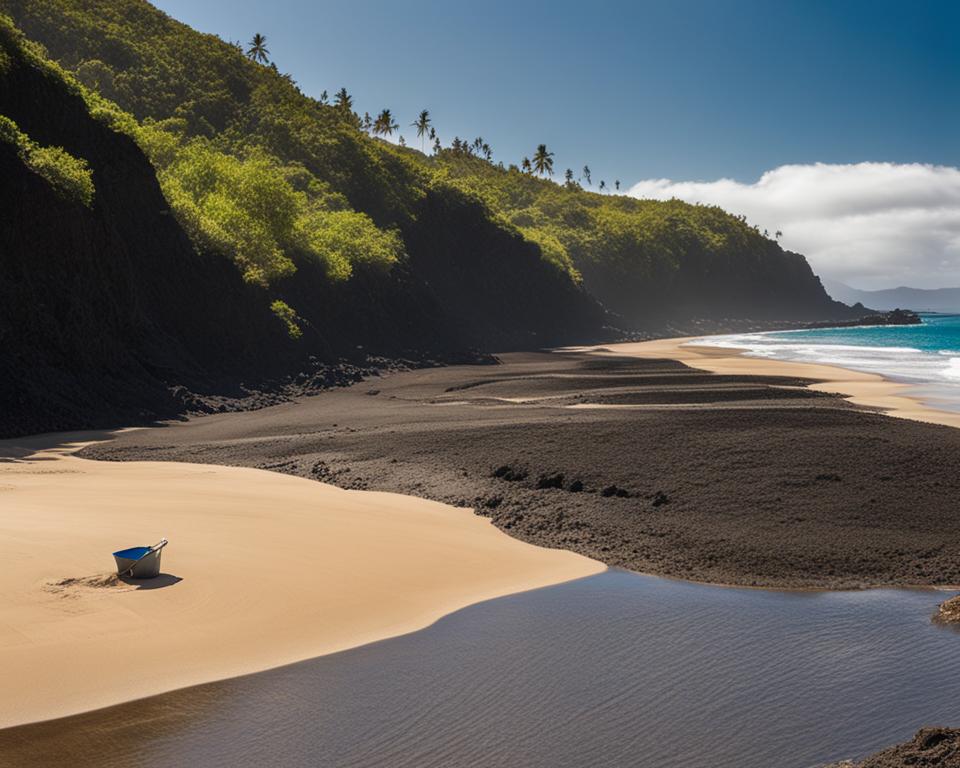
pixel 925 356
pixel 953 368
pixel 902 363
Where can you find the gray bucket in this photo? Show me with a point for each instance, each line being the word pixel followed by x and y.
pixel 140 562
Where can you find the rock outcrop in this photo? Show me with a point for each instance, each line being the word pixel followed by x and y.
pixel 939 747
pixel 949 611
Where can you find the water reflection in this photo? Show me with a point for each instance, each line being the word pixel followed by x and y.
pixel 617 669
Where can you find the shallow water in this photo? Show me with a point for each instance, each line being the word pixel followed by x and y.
pixel 925 355
pixel 613 670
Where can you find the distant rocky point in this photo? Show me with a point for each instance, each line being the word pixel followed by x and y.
pixel 894 317
pixel 920 299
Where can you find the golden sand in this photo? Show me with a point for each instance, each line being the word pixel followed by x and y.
pixel 262 569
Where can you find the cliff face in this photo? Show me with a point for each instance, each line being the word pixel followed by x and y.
pixel 100 305
pixel 765 283
pixel 105 309
pixel 495 285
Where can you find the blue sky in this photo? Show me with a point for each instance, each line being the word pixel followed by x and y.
pixel 679 89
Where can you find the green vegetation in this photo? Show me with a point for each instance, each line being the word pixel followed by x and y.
pixel 241 207
pixel 576 230
pixel 422 124
pixel 288 317
pixel 69 176
pixel 257 51
pixel 233 197
pixel 385 125
pixel 543 161
pixel 258 171
pixel 263 214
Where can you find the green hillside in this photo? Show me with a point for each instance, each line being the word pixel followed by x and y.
pixel 270 177
pixel 114 311
pixel 184 231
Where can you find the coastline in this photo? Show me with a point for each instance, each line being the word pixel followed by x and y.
pixel 263 570
pixel 756 480
pixel 868 390
pixel 388 564
pixel 612 642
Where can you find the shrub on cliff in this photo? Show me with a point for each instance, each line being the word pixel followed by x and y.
pixel 249 209
pixel 69 176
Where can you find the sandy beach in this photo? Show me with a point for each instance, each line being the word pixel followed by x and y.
pixel 752 473
pixel 262 569
pixel 632 455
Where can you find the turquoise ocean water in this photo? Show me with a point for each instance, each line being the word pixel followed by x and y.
pixel 926 356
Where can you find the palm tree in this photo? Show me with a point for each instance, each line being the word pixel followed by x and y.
pixel 487 152
pixel 422 124
pixel 384 124
pixel 586 174
pixel 403 141
pixel 343 100
pixel 543 160
pixel 324 98
pixel 258 49
pixel 367 122
pixel 603 185
pixel 525 165
pixel 617 184
pixel 778 234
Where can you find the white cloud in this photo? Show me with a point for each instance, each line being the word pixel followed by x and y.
pixel 873 225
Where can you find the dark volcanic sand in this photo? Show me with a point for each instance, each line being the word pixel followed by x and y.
pixel 930 747
pixel 727 479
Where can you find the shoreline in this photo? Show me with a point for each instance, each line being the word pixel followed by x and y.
pixel 869 390
pixel 263 570
pixel 741 460
pixel 616 625
pixel 48 627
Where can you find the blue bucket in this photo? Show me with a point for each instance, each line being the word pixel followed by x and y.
pixel 139 562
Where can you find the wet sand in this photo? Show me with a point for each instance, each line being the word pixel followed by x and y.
pixel 262 569
pixel 634 458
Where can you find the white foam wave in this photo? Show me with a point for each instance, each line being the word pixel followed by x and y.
pixel 900 363
pixel 953 369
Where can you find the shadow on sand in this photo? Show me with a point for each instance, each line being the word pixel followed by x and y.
pixel 15 449
pixel 20 448
pixel 70 587
pixel 157 582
